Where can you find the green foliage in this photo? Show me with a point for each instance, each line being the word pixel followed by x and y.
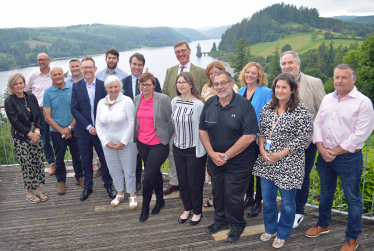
pixel 274 67
pixel 287 47
pixel 314 36
pixel 241 58
pixel 329 85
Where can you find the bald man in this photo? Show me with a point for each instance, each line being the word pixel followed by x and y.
pixel 57 112
pixel 39 81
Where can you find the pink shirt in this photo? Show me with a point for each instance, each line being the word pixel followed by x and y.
pixel 347 122
pixel 38 84
pixel 146 131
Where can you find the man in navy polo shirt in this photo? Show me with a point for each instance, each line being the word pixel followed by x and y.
pixel 228 125
pixel 57 112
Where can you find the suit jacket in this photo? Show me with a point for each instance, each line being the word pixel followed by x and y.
pixel 311 93
pixel 171 76
pixel 127 87
pixel 80 106
pixel 261 97
pixel 161 117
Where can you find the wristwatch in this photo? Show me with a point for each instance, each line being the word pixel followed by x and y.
pixel 225 158
pixel 70 127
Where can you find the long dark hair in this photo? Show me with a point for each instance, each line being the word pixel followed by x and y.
pixel 189 79
pixel 294 99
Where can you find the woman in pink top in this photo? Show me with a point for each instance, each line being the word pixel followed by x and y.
pixel 152 133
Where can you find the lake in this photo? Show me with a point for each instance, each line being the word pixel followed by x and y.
pixel 157 60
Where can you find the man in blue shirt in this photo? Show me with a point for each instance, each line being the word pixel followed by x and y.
pixel 75 70
pixel 57 113
pixel 111 59
pixel 85 96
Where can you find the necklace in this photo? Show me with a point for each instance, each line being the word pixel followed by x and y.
pixel 24 96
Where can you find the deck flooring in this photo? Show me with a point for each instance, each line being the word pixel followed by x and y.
pixel 66 223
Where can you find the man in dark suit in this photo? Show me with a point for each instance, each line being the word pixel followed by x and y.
pixel 131 89
pixel 85 96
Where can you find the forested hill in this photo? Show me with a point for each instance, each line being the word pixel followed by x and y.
pixel 21 46
pixel 270 24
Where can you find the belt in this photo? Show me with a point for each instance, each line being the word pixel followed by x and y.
pixel 350 152
pixel 40 108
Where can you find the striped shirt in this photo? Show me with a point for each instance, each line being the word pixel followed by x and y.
pixel 182 117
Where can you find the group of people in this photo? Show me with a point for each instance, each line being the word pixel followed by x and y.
pixel 247 138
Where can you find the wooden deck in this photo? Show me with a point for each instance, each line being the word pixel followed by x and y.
pixel 66 223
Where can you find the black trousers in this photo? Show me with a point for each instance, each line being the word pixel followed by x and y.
pixel 191 171
pixel 228 187
pixel 250 190
pixel 153 156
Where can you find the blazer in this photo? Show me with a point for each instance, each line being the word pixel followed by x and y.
pixel 80 106
pixel 161 117
pixel 311 93
pixel 127 87
pixel 171 76
pixel 261 97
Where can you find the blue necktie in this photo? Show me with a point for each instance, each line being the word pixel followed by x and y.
pixel 137 90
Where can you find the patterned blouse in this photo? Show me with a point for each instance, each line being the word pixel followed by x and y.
pixel 293 130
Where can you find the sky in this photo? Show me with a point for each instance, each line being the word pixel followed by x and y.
pixel 154 13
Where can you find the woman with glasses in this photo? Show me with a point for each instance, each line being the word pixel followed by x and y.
pixel 189 153
pixel 152 134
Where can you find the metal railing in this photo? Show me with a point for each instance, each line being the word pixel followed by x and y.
pixel 8 158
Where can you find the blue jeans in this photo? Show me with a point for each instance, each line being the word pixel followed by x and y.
pixel 303 193
pixel 46 142
pixel 269 196
pixel 349 168
pixel 60 145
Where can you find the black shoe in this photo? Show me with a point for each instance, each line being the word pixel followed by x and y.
pixel 138 186
pixel 194 223
pixel 85 194
pixel 249 201
pixel 144 215
pixel 112 194
pixel 255 210
pixel 158 206
pixel 181 221
pixel 234 235
pixel 213 229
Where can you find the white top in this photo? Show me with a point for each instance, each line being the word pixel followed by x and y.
pixel 117 123
pixel 182 118
pixel 186 68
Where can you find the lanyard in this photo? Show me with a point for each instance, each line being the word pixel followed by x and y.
pixel 275 124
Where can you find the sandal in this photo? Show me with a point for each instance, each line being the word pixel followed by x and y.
pixel 115 202
pixel 31 199
pixel 278 243
pixel 133 204
pixel 41 195
pixel 267 237
pixel 207 204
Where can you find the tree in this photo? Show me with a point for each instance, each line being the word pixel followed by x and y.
pixel 274 68
pixel 328 35
pixel 213 51
pixel 314 36
pixel 287 47
pixel 241 57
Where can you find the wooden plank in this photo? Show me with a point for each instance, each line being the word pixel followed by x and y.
pixel 258 229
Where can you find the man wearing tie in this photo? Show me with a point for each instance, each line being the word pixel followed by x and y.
pixel 182 52
pixel 85 96
pixel 131 90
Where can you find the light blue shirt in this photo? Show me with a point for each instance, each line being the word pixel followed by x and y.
pixel 134 85
pixel 91 96
pixel 102 75
pixel 70 80
pixel 59 100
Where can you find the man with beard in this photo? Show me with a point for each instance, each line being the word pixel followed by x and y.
pixel 228 125
pixel 111 59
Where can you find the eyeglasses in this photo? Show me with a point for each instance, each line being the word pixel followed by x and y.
pixel 42 60
pixel 88 68
pixel 223 84
pixel 182 83
pixel 145 85
pixel 181 51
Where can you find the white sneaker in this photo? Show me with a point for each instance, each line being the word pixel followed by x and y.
pixel 298 219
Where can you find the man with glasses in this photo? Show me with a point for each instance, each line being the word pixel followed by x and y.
pixel 85 96
pixel 39 81
pixel 228 125
pixel 182 52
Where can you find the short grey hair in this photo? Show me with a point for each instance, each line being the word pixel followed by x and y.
pixel 223 72
pixel 75 60
pixel 112 79
pixel 13 79
pixel 294 53
pixel 345 67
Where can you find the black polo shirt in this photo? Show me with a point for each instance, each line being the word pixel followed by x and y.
pixel 226 125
